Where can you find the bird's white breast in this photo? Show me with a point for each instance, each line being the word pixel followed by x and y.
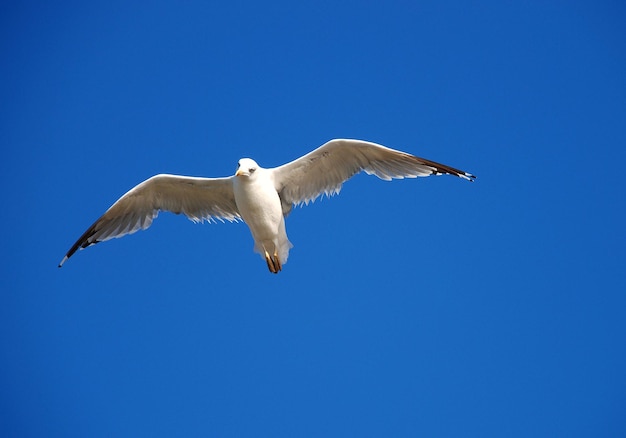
pixel 259 203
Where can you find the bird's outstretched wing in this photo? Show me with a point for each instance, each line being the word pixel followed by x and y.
pixel 324 170
pixel 197 198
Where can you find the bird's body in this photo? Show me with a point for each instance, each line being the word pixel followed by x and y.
pixel 262 198
pixel 260 207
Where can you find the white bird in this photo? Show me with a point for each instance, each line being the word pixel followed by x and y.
pixel 262 198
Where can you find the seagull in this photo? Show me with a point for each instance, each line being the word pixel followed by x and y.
pixel 261 198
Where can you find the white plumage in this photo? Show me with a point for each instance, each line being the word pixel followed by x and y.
pixel 262 198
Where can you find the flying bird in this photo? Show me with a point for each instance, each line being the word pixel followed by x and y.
pixel 262 198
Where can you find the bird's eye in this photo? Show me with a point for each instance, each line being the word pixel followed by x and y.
pixel 238 165
pixel 252 169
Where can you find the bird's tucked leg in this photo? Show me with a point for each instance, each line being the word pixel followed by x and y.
pixel 277 263
pixel 273 263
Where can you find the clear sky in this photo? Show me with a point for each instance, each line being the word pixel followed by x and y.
pixel 429 307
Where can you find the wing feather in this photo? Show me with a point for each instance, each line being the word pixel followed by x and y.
pixel 324 170
pixel 199 199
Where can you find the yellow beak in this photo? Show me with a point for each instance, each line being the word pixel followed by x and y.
pixel 239 172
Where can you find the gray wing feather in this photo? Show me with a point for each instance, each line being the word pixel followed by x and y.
pixel 199 199
pixel 324 170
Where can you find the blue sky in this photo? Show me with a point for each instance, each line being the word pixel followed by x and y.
pixel 430 307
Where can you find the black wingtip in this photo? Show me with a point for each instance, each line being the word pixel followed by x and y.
pixel 63 261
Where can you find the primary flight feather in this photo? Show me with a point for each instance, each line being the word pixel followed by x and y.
pixel 260 197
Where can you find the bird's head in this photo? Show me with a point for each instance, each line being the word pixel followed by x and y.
pixel 246 167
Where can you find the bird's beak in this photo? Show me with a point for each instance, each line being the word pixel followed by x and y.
pixel 239 172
